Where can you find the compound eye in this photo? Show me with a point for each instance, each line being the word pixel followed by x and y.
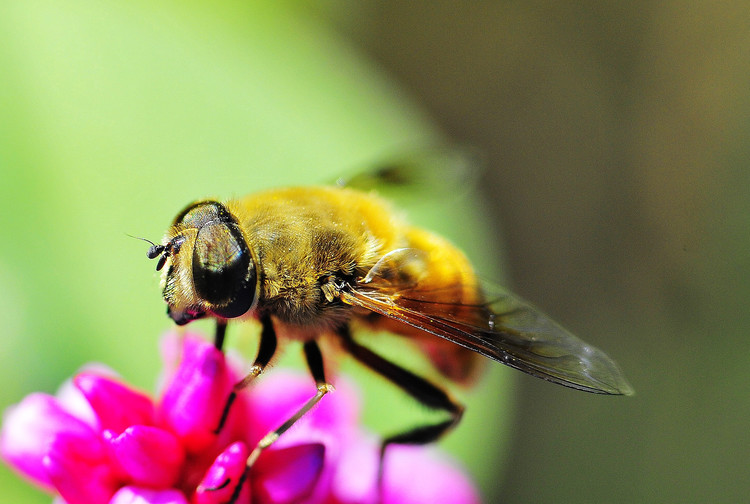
pixel 223 270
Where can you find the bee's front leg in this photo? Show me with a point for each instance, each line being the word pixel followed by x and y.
pixel 266 350
pixel 315 363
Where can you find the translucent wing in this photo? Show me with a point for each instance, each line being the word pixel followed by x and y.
pixel 504 328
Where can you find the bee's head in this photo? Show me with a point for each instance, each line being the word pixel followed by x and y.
pixel 210 269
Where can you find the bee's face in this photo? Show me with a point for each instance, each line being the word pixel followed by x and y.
pixel 210 269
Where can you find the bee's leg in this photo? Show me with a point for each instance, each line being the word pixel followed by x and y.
pixel 422 390
pixel 315 363
pixel 221 331
pixel 266 350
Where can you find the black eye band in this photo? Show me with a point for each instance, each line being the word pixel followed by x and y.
pixel 223 269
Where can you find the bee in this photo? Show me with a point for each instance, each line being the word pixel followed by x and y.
pixel 310 262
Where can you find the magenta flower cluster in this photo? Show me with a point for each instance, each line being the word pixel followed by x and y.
pixel 99 441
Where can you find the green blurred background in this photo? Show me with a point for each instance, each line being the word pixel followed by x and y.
pixel 615 173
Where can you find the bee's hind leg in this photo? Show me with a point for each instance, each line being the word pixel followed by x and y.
pixel 420 389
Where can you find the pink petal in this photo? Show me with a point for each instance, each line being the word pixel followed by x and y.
pixel 194 400
pixel 278 395
pixel 116 405
pixel 171 348
pixel 288 474
pixel 80 470
pixel 150 456
pixel 220 482
pixel 415 474
pixel 355 475
pixel 72 400
pixel 135 495
pixel 30 427
pixel 412 475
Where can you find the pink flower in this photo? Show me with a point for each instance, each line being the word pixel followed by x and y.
pixel 100 441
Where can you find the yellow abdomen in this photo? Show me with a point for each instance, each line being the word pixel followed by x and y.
pixel 449 285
